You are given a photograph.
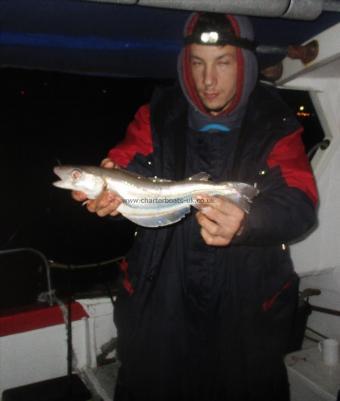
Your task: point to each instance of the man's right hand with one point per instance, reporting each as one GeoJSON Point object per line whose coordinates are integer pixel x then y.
{"type": "Point", "coordinates": [106, 203]}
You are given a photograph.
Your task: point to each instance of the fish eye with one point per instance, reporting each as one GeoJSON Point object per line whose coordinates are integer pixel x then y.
{"type": "Point", "coordinates": [75, 174]}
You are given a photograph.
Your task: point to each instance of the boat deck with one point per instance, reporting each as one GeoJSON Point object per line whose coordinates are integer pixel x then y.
{"type": "Point", "coordinates": [101, 381]}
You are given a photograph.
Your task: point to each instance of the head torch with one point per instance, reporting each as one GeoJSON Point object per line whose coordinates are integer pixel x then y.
{"type": "Point", "coordinates": [215, 38]}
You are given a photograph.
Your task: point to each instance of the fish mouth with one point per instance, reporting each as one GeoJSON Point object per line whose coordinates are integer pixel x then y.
{"type": "Point", "coordinates": [60, 184]}
{"type": "Point", "coordinates": [58, 171]}
{"type": "Point", "coordinates": [63, 175]}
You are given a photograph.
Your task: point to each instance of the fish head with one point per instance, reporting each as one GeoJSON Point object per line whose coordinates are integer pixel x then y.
{"type": "Point", "coordinates": [78, 179]}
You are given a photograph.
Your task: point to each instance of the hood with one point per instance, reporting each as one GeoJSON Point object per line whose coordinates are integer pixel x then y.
{"type": "Point", "coordinates": [247, 74]}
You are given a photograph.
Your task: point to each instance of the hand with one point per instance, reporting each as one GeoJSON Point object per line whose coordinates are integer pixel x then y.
{"type": "Point", "coordinates": [108, 163]}
{"type": "Point", "coordinates": [220, 220]}
{"type": "Point", "coordinates": [106, 203]}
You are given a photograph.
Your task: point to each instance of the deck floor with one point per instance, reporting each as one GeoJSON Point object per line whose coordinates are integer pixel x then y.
{"type": "Point", "coordinates": [101, 381]}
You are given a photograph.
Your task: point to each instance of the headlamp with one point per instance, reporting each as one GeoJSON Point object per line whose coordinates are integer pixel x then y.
{"type": "Point", "coordinates": [209, 37]}
{"type": "Point", "coordinates": [215, 38]}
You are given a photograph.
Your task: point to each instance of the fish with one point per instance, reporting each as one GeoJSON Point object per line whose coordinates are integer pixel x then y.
{"type": "Point", "coordinates": [151, 201]}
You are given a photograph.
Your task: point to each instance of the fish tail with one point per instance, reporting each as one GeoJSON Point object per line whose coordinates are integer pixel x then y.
{"type": "Point", "coordinates": [246, 190]}
{"type": "Point", "coordinates": [244, 194]}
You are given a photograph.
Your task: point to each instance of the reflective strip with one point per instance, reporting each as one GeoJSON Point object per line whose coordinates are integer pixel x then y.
{"type": "Point", "coordinates": [269, 303]}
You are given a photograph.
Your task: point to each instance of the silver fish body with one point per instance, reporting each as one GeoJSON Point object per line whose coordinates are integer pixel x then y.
{"type": "Point", "coordinates": [151, 202]}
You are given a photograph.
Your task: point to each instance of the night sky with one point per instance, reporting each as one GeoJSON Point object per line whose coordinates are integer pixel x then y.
{"type": "Point", "coordinates": [49, 118]}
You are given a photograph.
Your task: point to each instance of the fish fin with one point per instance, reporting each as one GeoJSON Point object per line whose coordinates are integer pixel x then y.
{"type": "Point", "coordinates": [243, 195]}
{"type": "Point", "coordinates": [160, 220]}
{"type": "Point", "coordinates": [246, 190]}
{"type": "Point", "coordinates": [202, 176]}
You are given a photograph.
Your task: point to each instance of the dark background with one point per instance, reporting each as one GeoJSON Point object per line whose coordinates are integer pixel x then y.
{"type": "Point", "coordinates": [49, 118]}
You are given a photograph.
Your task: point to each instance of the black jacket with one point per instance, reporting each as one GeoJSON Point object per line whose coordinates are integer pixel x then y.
{"type": "Point", "coordinates": [208, 323]}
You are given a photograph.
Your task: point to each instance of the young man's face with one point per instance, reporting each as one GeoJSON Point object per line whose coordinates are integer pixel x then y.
{"type": "Point", "coordinates": [214, 71]}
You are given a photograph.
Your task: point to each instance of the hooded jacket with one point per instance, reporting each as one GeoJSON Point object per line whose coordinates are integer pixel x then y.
{"type": "Point", "coordinates": [247, 71]}
{"type": "Point", "coordinates": [212, 323]}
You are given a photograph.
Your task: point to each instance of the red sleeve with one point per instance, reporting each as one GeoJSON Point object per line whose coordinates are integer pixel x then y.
{"type": "Point", "coordinates": [138, 139]}
{"type": "Point", "coordinates": [289, 154]}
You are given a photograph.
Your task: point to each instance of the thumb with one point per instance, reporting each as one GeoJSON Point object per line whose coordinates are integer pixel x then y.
{"type": "Point", "coordinates": [107, 163]}
{"type": "Point", "coordinates": [79, 196]}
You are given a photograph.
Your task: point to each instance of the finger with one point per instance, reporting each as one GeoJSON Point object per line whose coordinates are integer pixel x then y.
{"type": "Point", "coordinates": [106, 198]}
{"type": "Point", "coordinates": [90, 205]}
{"type": "Point", "coordinates": [79, 196]}
{"type": "Point", "coordinates": [114, 213]}
{"type": "Point", "coordinates": [225, 205]}
{"type": "Point", "coordinates": [110, 209]}
{"type": "Point", "coordinates": [221, 224]}
{"type": "Point", "coordinates": [224, 212]}
{"type": "Point", "coordinates": [108, 163]}
{"type": "Point", "coordinates": [214, 240]}
{"type": "Point", "coordinates": [202, 200]}
{"type": "Point", "coordinates": [209, 225]}
{"type": "Point", "coordinates": [234, 214]}
{"type": "Point", "coordinates": [215, 215]}
{"type": "Point", "coordinates": [101, 201]}
{"type": "Point", "coordinates": [228, 224]}
{"type": "Point", "coordinates": [221, 203]}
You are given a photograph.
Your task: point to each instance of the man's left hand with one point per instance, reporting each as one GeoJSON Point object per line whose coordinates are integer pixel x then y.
{"type": "Point", "coordinates": [220, 220]}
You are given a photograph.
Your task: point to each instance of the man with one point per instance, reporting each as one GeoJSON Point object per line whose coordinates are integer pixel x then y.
{"type": "Point", "coordinates": [209, 301]}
